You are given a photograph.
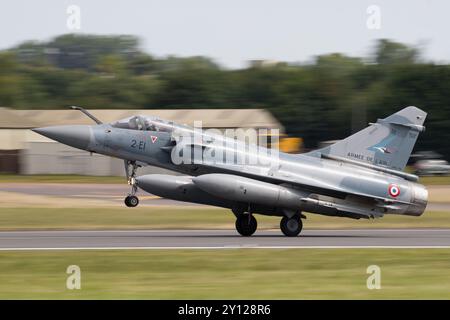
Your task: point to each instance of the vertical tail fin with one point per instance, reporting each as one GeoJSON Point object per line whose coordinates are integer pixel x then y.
{"type": "Point", "coordinates": [387, 143]}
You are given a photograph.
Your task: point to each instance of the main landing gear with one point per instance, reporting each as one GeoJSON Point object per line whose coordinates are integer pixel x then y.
{"type": "Point", "coordinates": [246, 224]}
{"type": "Point", "coordinates": [291, 227]}
{"type": "Point", "coordinates": [130, 169]}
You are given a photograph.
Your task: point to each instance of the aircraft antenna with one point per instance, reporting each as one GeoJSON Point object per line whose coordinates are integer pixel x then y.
{"type": "Point", "coordinates": [86, 113]}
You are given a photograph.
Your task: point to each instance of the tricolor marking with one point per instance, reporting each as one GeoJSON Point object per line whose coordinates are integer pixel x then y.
{"type": "Point", "coordinates": [394, 190]}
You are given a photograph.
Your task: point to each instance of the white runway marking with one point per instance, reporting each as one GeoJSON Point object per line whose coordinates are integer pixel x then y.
{"type": "Point", "coordinates": [221, 230]}
{"type": "Point", "coordinates": [223, 239]}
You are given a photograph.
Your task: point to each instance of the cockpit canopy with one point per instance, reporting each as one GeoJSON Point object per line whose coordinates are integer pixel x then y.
{"type": "Point", "coordinates": [144, 123]}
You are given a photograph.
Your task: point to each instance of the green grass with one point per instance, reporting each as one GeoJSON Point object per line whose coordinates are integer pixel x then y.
{"type": "Point", "coordinates": [435, 180]}
{"type": "Point", "coordinates": [113, 218]}
{"type": "Point", "coordinates": [186, 218]}
{"type": "Point", "coordinates": [227, 274]}
{"type": "Point", "coordinates": [60, 178]}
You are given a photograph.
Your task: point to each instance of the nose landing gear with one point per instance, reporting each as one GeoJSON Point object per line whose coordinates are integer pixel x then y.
{"type": "Point", "coordinates": [131, 200]}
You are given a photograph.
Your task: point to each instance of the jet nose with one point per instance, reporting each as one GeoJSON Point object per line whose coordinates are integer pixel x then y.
{"type": "Point", "coordinates": [77, 136]}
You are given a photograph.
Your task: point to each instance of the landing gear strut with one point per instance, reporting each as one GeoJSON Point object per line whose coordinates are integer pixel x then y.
{"type": "Point", "coordinates": [131, 200]}
{"type": "Point", "coordinates": [291, 227]}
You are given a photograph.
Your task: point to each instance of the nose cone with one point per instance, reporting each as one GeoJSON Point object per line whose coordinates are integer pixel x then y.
{"type": "Point", "coordinates": [76, 136]}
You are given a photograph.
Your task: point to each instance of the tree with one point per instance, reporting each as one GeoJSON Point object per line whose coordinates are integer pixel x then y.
{"type": "Point", "coordinates": [389, 52]}
{"type": "Point", "coordinates": [321, 100]}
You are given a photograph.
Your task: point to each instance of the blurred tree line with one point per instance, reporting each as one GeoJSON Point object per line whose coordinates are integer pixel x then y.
{"type": "Point", "coordinates": [324, 99]}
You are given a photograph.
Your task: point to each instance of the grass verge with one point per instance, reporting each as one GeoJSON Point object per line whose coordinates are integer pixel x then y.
{"type": "Point", "coordinates": [187, 218]}
{"type": "Point", "coordinates": [60, 178]}
{"type": "Point", "coordinates": [227, 274]}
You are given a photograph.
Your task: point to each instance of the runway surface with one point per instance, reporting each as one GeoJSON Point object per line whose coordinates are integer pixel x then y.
{"type": "Point", "coordinates": [113, 194]}
{"type": "Point", "coordinates": [222, 239]}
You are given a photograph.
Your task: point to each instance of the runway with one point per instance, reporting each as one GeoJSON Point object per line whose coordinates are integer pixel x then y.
{"type": "Point", "coordinates": [222, 239]}
{"type": "Point", "coordinates": [109, 194]}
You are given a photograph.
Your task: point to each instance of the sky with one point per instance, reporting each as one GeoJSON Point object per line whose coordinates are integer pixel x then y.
{"type": "Point", "coordinates": [232, 32]}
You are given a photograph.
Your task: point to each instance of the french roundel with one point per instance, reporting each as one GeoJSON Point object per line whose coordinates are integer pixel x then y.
{"type": "Point", "coordinates": [394, 190]}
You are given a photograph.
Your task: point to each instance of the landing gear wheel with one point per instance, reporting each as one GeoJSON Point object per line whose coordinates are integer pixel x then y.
{"type": "Point", "coordinates": [131, 201]}
{"type": "Point", "coordinates": [291, 227]}
{"type": "Point", "coordinates": [246, 225]}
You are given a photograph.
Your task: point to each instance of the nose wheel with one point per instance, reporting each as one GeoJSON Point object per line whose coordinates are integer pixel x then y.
{"type": "Point", "coordinates": [130, 169]}
{"type": "Point", "coordinates": [131, 201]}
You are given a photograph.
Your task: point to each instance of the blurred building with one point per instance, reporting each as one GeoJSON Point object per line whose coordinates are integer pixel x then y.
{"type": "Point", "coordinates": [14, 134]}
{"type": "Point", "coordinates": [263, 63]}
{"type": "Point", "coordinates": [23, 151]}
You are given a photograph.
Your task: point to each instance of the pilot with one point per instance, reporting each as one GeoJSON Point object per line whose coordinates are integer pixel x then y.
{"type": "Point", "coordinates": [137, 123]}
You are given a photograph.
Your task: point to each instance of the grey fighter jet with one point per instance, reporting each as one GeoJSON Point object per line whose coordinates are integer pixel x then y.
{"type": "Point", "coordinates": [358, 177]}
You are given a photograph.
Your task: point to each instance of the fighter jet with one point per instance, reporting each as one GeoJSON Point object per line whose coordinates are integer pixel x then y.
{"type": "Point", "coordinates": [358, 177]}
